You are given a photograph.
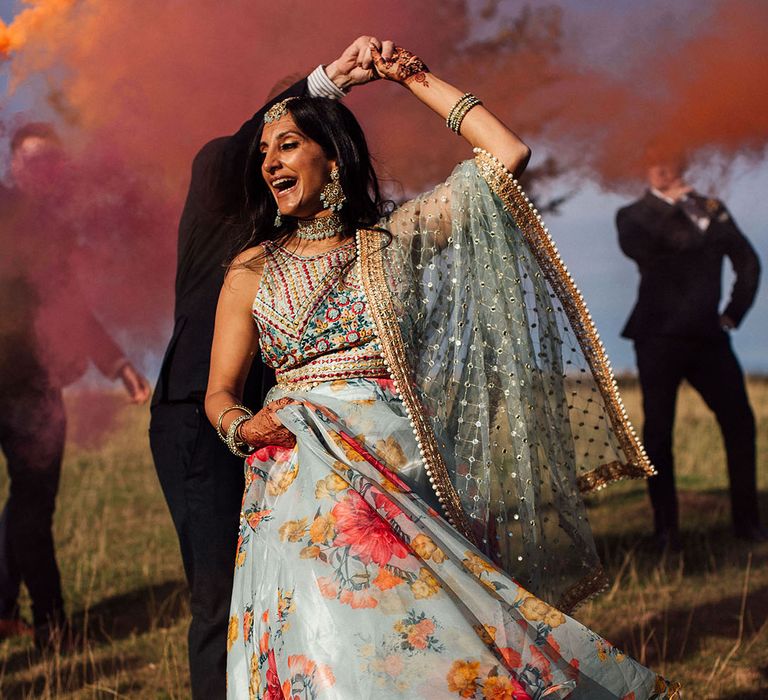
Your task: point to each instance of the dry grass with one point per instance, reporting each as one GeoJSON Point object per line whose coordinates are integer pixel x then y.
{"type": "Point", "coordinates": [700, 617]}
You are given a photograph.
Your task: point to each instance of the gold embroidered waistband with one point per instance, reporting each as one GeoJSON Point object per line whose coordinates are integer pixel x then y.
{"type": "Point", "coordinates": [329, 368]}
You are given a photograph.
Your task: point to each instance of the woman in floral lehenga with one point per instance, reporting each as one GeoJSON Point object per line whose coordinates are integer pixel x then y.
{"type": "Point", "coordinates": [412, 524]}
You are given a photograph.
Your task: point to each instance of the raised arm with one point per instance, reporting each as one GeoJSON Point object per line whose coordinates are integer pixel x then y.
{"type": "Point", "coordinates": [479, 126]}
{"type": "Point", "coordinates": [432, 215]}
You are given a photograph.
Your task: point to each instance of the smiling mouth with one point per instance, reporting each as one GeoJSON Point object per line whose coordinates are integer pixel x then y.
{"type": "Point", "coordinates": [284, 185]}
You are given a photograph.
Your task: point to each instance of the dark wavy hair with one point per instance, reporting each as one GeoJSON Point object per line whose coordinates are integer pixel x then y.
{"type": "Point", "coordinates": [337, 131]}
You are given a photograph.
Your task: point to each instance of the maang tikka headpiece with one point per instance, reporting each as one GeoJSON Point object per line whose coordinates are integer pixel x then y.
{"type": "Point", "coordinates": [277, 110]}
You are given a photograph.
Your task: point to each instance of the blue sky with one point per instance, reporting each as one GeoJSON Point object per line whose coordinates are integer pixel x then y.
{"type": "Point", "coordinates": [586, 236]}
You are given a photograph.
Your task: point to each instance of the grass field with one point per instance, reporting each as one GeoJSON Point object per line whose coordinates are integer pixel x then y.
{"type": "Point", "coordinates": [700, 617]}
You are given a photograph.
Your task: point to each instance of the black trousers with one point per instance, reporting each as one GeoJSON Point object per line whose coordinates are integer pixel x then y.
{"type": "Point", "coordinates": [711, 367]}
{"type": "Point", "coordinates": [203, 484]}
{"type": "Point", "coordinates": [32, 433]}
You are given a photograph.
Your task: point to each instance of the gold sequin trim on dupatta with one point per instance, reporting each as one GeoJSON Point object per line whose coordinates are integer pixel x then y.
{"type": "Point", "coordinates": [503, 184]}
{"type": "Point", "coordinates": [605, 474]}
{"type": "Point", "coordinates": [381, 309]}
{"type": "Point", "coordinates": [587, 588]}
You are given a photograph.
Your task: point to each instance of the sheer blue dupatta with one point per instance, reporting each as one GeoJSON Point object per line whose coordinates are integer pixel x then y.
{"type": "Point", "coordinates": [507, 385]}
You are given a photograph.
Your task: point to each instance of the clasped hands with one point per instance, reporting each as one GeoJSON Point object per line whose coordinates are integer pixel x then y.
{"type": "Point", "coordinates": [368, 58]}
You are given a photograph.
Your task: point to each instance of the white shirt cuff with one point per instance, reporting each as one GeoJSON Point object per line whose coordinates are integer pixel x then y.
{"type": "Point", "coordinates": [320, 85]}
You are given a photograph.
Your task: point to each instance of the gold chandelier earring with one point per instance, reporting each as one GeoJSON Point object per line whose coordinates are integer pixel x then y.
{"type": "Point", "coordinates": [332, 196]}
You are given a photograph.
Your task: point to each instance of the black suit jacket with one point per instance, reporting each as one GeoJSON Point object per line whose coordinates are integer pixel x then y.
{"type": "Point", "coordinates": [681, 268]}
{"type": "Point", "coordinates": [209, 231]}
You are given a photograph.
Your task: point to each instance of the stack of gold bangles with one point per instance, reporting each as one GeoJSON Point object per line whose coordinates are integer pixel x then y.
{"type": "Point", "coordinates": [231, 438]}
{"type": "Point", "coordinates": [466, 102]}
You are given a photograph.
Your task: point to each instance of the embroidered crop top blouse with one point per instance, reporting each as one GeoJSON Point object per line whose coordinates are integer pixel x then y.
{"type": "Point", "coordinates": [311, 315]}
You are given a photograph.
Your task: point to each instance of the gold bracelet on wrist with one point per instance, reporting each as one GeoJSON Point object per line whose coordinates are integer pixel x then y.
{"type": "Point", "coordinates": [465, 103]}
{"type": "Point", "coordinates": [460, 110]}
{"type": "Point", "coordinates": [235, 407]}
{"type": "Point", "coordinates": [450, 118]}
{"type": "Point", "coordinates": [235, 445]}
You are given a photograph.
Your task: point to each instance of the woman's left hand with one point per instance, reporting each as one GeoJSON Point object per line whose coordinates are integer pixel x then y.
{"type": "Point", "coordinates": [403, 67]}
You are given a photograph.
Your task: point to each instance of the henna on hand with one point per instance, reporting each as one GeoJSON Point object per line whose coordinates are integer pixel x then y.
{"type": "Point", "coordinates": [266, 429]}
{"type": "Point", "coordinates": [403, 67]}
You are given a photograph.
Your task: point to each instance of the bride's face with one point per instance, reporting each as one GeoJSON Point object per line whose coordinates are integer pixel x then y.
{"type": "Point", "coordinates": [295, 168]}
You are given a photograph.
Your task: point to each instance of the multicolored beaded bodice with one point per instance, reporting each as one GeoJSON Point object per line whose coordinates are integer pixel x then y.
{"type": "Point", "coordinates": [311, 314]}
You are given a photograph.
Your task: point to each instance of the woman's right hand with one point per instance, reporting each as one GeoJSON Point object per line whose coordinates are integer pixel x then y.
{"type": "Point", "coordinates": [265, 428]}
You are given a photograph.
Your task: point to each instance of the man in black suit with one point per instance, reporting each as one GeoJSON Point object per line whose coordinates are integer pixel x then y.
{"type": "Point", "coordinates": [48, 336]}
{"type": "Point", "coordinates": [202, 481]}
{"type": "Point", "coordinates": [678, 240]}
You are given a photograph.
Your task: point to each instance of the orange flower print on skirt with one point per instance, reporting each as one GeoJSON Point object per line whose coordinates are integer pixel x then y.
{"type": "Point", "coordinates": [365, 591]}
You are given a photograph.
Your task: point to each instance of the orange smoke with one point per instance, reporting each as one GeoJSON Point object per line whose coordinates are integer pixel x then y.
{"type": "Point", "coordinates": [143, 85]}
{"type": "Point", "coordinates": [138, 88]}
{"type": "Point", "coordinates": [41, 15]}
{"type": "Point", "coordinates": [158, 79]}
{"type": "Point", "coordinates": [695, 97]}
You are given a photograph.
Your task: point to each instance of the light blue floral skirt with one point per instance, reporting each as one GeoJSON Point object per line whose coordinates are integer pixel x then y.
{"type": "Point", "coordinates": [349, 584]}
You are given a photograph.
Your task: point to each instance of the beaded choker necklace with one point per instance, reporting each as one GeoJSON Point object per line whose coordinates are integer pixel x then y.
{"type": "Point", "coordinates": [319, 229]}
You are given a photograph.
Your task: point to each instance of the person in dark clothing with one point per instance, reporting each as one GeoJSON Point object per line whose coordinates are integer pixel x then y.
{"type": "Point", "coordinates": [202, 481]}
{"type": "Point", "coordinates": [48, 335]}
{"type": "Point", "coordinates": [678, 239]}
